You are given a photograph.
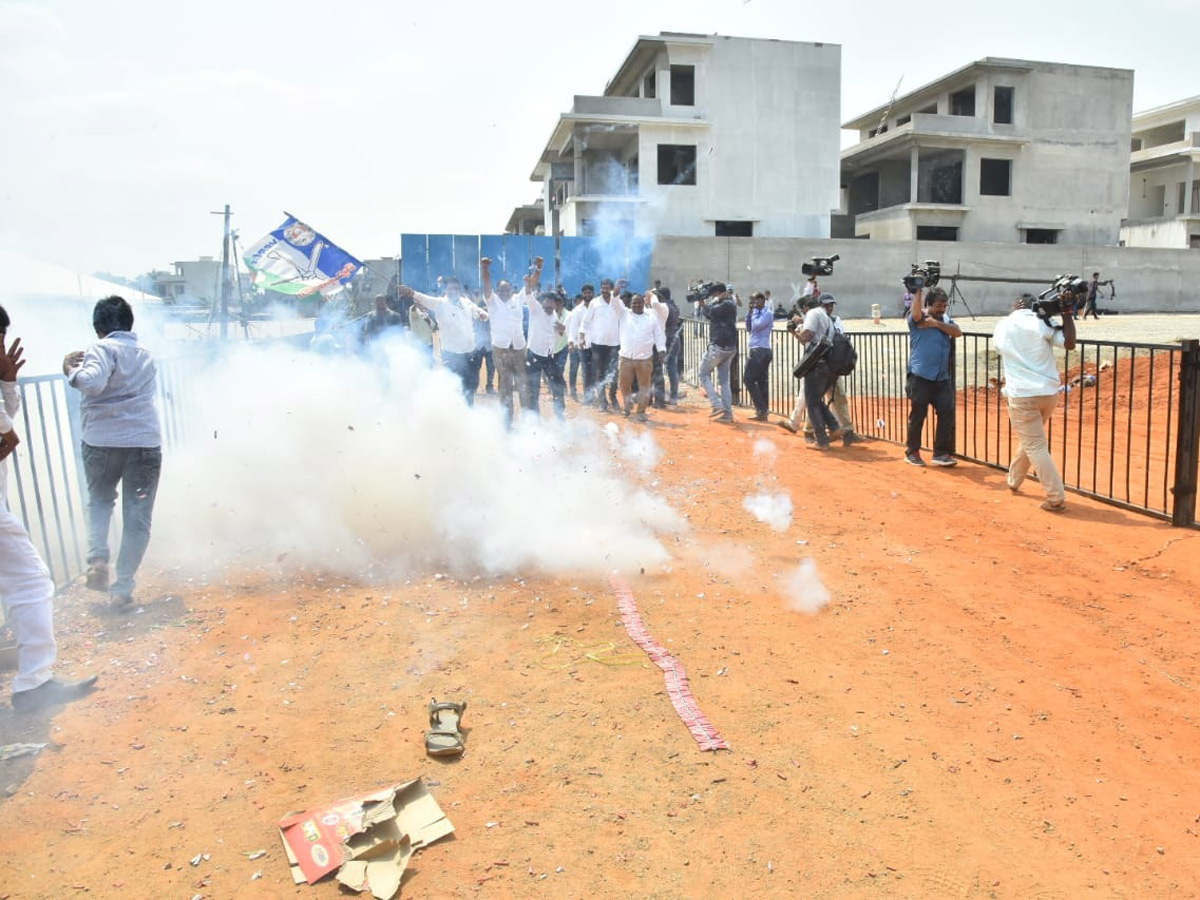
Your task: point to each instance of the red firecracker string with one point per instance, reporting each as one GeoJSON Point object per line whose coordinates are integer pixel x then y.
{"type": "Point", "coordinates": [678, 689]}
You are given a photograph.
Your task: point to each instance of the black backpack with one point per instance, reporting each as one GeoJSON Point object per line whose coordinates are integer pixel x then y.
{"type": "Point", "coordinates": [842, 357]}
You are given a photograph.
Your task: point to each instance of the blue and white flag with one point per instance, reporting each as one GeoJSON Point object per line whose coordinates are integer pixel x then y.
{"type": "Point", "coordinates": [294, 259]}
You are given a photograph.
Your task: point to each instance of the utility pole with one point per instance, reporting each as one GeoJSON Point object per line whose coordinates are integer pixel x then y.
{"type": "Point", "coordinates": [225, 275]}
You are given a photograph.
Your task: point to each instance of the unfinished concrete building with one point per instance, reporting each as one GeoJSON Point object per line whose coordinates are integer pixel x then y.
{"type": "Point", "coordinates": [1164, 196]}
{"type": "Point", "coordinates": [1000, 150]}
{"type": "Point", "coordinates": [700, 135]}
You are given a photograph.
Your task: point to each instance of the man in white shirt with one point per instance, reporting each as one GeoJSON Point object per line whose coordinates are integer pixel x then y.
{"type": "Point", "coordinates": [577, 350]}
{"type": "Point", "coordinates": [641, 338]}
{"type": "Point", "coordinates": [1026, 342]}
{"type": "Point", "coordinates": [507, 318]}
{"type": "Point", "coordinates": [455, 314]}
{"type": "Point", "coordinates": [26, 590]}
{"type": "Point", "coordinates": [601, 328]}
{"type": "Point", "coordinates": [122, 443]}
{"type": "Point", "coordinates": [547, 347]}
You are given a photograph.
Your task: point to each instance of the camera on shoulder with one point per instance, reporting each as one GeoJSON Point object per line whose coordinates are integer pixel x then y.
{"type": "Point", "coordinates": [820, 265]}
{"type": "Point", "coordinates": [1067, 292]}
{"type": "Point", "coordinates": [707, 289]}
{"type": "Point", "coordinates": [922, 277]}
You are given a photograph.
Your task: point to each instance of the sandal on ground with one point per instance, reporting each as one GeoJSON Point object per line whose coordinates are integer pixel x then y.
{"type": "Point", "coordinates": [444, 737]}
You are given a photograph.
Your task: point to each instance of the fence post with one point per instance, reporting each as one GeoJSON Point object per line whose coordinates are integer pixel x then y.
{"type": "Point", "coordinates": [1187, 442]}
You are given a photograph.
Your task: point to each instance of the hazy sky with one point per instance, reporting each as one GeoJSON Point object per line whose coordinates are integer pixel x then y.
{"type": "Point", "coordinates": [125, 122]}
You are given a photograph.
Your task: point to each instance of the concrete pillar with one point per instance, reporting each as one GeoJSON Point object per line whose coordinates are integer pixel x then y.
{"type": "Point", "coordinates": [913, 174]}
{"type": "Point", "coordinates": [1187, 191]}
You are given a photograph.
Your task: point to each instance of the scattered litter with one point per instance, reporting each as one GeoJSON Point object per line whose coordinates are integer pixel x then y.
{"type": "Point", "coordinates": [368, 839]}
{"type": "Point", "coordinates": [257, 854]}
{"type": "Point", "coordinates": [257, 875]}
{"type": "Point", "coordinates": [12, 751]}
{"type": "Point", "coordinates": [723, 670]}
{"type": "Point", "coordinates": [564, 652]}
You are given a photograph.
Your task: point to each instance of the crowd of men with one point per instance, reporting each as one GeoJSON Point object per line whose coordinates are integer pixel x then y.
{"type": "Point", "coordinates": [627, 347]}
{"type": "Point", "coordinates": [621, 346]}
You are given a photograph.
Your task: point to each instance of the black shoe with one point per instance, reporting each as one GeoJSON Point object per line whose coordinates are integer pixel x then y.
{"type": "Point", "coordinates": [849, 438]}
{"type": "Point", "coordinates": [944, 459]}
{"type": "Point", "coordinates": [914, 459]}
{"type": "Point", "coordinates": [52, 693]}
{"type": "Point", "coordinates": [97, 575]}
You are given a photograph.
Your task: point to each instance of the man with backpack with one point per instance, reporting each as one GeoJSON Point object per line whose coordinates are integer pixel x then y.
{"type": "Point", "coordinates": [842, 359]}
{"type": "Point", "coordinates": [816, 334]}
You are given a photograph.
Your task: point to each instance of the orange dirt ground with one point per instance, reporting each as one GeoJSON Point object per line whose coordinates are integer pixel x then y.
{"type": "Point", "coordinates": [997, 702]}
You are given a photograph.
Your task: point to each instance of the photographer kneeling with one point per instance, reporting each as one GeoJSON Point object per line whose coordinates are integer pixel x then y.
{"type": "Point", "coordinates": [1025, 340]}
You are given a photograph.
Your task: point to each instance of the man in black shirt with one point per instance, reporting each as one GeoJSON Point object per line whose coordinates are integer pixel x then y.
{"type": "Point", "coordinates": [721, 311]}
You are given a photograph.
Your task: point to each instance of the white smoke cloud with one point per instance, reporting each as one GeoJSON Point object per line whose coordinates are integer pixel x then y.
{"type": "Point", "coordinates": [774, 510]}
{"type": "Point", "coordinates": [803, 590]}
{"type": "Point", "coordinates": [378, 468]}
{"type": "Point", "coordinates": [766, 449]}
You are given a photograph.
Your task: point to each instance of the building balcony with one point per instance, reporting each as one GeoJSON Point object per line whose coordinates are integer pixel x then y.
{"type": "Point", "coordinates": [620, 107]}
{"type": "Point", "coordinates": [947, 130]}
{"type": "Point", "coordinates": [900, 222]}
{"type": "Point", "coordinates": [1167, 154]}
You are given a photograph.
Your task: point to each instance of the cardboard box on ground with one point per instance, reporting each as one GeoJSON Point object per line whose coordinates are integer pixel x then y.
{"type": "Point", "coordinates": [367, 839]}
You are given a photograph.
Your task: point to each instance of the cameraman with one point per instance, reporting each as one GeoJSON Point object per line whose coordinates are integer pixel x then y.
{"type": "Point", "coordinates": [719, 307]}
{"type": "Point", "coordinates": [1026, 342]}
{"type": "Point", "coordinates": [931, 334]}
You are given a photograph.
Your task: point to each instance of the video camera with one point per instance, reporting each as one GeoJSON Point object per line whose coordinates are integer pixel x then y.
{"type": "Point", "coordinates": [923, 277]}
{"type": "Point", "coordinates": [820, 265]}
{"type": "Point", "coordinates": [707, 289]}
{"type": "Point", "coordinates": [1067, 292]}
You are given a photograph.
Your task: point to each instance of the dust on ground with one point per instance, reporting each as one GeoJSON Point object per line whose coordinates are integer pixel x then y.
{"type": "Point", "coordinates": [996, 702]}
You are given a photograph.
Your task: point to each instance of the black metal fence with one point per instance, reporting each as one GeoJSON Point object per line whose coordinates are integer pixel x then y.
{"type": "Point", "coordinates": [1126, 430]}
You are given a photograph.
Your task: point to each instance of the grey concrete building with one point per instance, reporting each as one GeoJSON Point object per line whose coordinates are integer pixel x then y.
{"type": "Point", "coordinates": [1000, 150]}
{"type": "Point", "coordinates": [1164, 196]}
{"type": "Point", "coordinates": [700, 135]}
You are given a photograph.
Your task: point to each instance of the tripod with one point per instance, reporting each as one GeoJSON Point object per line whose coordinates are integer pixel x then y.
{"type": "Point", "coordinates": [954, 290]}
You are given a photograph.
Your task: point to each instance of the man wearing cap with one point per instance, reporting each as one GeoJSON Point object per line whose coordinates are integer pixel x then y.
{"type": "Point", "coordinates": [720, 308]}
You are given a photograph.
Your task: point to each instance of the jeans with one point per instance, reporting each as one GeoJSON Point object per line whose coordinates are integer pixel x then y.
{"type": "Point", "coordinates": [1029, 417]}
{"type": "Point", "coordinates": [719, 358]}
{"type": "Point", "coordinates": [939, 394]}
{"type": "Point", "coordinates": [816, 384]}
{"type": "Point", "coordinates": [550, 367]}
{"type": "Point", "coordinates": [460, 365]}
{"type": "Point", "coordinates": [604, 375]}
{"type": "Point", "coordinates": [575, 356]}
{"type": "Point", "coordinates": [136, 469]}
{"type": "Point", "coordinates": [755, 378]}
{"type": "Point", "coordinates": [489, 372]}
{"type": "Point", "coordinates": [674, 355]}
{"type": "Point", "coordinates": [589, 374]}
